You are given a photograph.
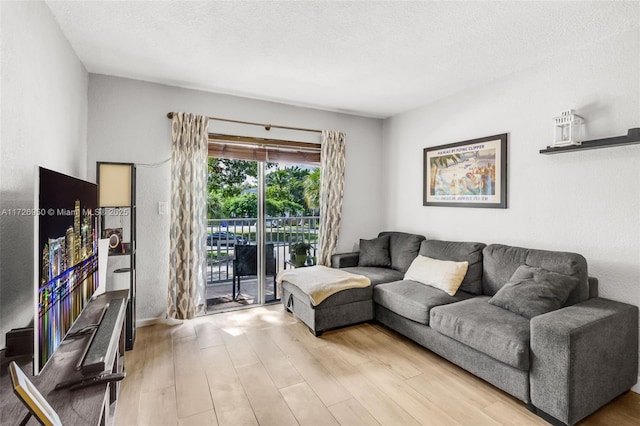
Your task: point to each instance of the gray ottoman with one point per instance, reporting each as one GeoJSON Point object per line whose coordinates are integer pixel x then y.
{"type": "Point", "coordinates": [345, 307]}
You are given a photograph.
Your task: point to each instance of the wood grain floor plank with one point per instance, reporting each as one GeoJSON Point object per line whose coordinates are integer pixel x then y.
{"type": "Point", "coordinates": [305, 337]}
{"type": "Point", "coordinates": [273, 316]}
{"type": "Point", "coordinates": [158, 362]}
{"type": "Point", "coordinates": [439, 393]}
{"type": "Point", "coordinates": [257, 317]}
{"type": "Point", "coordinates": [158, 408]}
{"type": "Point", "coordinates": [328, 389]}
{"type": "Point", "coordinates": [192, 388]}
{"type": "Point", "coordinates": [507, 414]}
{"type": "Point", "coordinates": [424, 411]}
{"type": "Point", "coordinates": [306, 406]}
{"type": "Point", "coordinates": [186, 329]}
{"type": "Point", "coordinates": [208, 335]}
{"type": "Point", "coordinates": [384, 353]}
{"type": "Point", "coordinates": [479, 394]}
{"type": "Point", "coordinates": [206, 418]}
{"type": "Point", "coordinates": [624, 410]}
{"type": "Point", "coordinates": [134, 368]}
{"type": "Point", "coordinates": [282, 372]}
{"type": "Point", "coordinates": [433, 366]}
{"type": "Point", "coordinates": [239, 348]}
{"type": "Point", "coordinates": [367, 328]}
{"type": "Point", "coordinates": [350, 350]}
{"type": "Point", "coordinates": [376, 402]}
{"type": "Point", "coordinates": [232, 405]}
{"type": "Point", "coordinates": [230, 402]}
{"type": "Point", "coordinates": [267, 403]}
{"type": "Point", "coordinates": [287, 341]}
{"type": "Point", "coordinates": [352, 413]}
{"type": "Point", "coordinates": [132, 391]}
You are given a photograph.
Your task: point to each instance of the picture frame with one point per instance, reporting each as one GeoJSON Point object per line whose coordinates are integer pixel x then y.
{"type": "Point", "coordinates": [470, 173]}
{"type": "Point", "coordinates": [32, 398]}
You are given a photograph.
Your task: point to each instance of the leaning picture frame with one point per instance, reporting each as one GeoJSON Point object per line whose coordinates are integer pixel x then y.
{"type": "Point", "coordinates": [32, 398]}
{"type": "Point", "coordinates": [470, 173]}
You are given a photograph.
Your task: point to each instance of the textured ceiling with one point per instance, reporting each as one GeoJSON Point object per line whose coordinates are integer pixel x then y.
{"type": "Point", "coordinates": [368, 58]}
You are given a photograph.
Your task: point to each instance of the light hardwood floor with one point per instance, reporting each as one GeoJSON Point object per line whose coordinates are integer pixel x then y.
{"type": "Point", "coordinates": [262, 366]}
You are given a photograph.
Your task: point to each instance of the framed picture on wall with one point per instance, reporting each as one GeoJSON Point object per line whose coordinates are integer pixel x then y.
{"type": "Point", "coordinates": [471, 173]}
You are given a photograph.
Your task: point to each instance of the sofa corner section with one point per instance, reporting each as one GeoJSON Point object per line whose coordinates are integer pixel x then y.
{"type": "Point", "coordinates": [582, 357]}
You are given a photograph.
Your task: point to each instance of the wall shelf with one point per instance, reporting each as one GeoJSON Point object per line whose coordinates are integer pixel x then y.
{"type": "Point", "coordinates": [127, 253]}
{"type": "Point", "coordinates": [632, 137]}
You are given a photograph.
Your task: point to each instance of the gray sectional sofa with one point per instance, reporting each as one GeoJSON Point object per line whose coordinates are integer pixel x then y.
{"type": "Point", "coordinates": [564, 364]}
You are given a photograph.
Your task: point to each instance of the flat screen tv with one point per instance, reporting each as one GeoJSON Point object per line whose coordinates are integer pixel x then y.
{"type": "Point", "coordinates": [66, 257]}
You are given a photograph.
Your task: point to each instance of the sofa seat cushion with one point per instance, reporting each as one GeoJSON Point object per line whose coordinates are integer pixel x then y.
{"type": "Point", "coordinates": [413, 300]}
{"type": "Point", "coordinates": [375, 274]}
{"type": "Point", "coordinates": [494, 331]}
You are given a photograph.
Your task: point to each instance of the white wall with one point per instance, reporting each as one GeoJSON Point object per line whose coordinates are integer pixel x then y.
{"type": "Point", "coordinates": [127, 123]}
{"type": "Point", "coordinates": [44, 119]}
{"type": "Point", "coordinates": [586, 202]}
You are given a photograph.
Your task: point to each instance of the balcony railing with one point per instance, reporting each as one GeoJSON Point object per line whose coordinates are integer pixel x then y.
{"type": "Point", "coordinates": [224, 234]}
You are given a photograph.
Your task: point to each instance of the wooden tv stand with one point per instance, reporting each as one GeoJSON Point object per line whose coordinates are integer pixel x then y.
{"type": "Point", "coordinates": [94, 405]}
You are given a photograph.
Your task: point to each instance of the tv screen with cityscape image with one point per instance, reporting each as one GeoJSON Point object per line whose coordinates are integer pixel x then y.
{"type": "Point", "coordinates": [66, 251]}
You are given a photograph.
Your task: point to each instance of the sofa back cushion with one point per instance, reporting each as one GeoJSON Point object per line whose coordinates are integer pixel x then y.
{"type": "Point", "coordinates": [501, 261]}
{"type": "Point", "coordinates": [403, 248]}
{"type": "Point", "coordinates": [534, 291]}
{"type": "Point", "coordinates": [458, 251]}
{"type": "Point", "coordinates": [375, 252]}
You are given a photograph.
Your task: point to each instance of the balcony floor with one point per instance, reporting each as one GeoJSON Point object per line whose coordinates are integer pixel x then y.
{"type": "Point", "coordinates": [219, 294]}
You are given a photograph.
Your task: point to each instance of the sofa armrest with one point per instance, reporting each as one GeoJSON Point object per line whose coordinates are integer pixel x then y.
{"type": "Point", "coordinates": [582, 357]}
{"type": "Point", "coordinates": [345, 260]}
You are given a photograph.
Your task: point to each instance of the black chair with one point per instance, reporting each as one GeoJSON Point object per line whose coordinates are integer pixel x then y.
{"type": "Point", "coordinates": [245, 264]}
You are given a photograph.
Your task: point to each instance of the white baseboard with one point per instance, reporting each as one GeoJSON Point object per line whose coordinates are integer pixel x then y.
{"type": "Point", "coordinates": [636, 388]}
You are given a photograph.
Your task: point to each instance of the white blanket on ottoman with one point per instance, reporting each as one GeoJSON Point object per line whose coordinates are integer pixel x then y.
{"type": "Point", "coordinates": [320, 282]}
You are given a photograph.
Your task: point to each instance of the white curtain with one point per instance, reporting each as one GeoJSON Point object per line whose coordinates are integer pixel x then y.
{"type": "Point", "coordinates": [331, 193]}
{"type": "Point", "coordinates": [187, 256]}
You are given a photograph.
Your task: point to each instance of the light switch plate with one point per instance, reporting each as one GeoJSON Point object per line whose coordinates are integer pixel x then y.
{"type": "Point", "coordinates": [163, 208]}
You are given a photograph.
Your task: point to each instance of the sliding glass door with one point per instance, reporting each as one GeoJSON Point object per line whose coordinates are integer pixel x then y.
{"type": "Point", "coordinates": [291, 216]}
{"type": "Point", "coordinates": [257, 212]}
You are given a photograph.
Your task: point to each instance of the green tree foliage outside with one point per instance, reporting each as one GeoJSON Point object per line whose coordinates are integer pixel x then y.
{"type": "Point", "coordinates": [232, 190]}
{"type": "Point", "coordinates": [227, 177]}
{"type": "Point", "coordinates": [312, 190]}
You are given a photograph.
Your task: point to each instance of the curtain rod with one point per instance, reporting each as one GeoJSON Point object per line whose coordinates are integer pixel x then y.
{"type": "Point", "coordinates": [267, 127]}
{"type": "Point", "coordinates": [263, 141]}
